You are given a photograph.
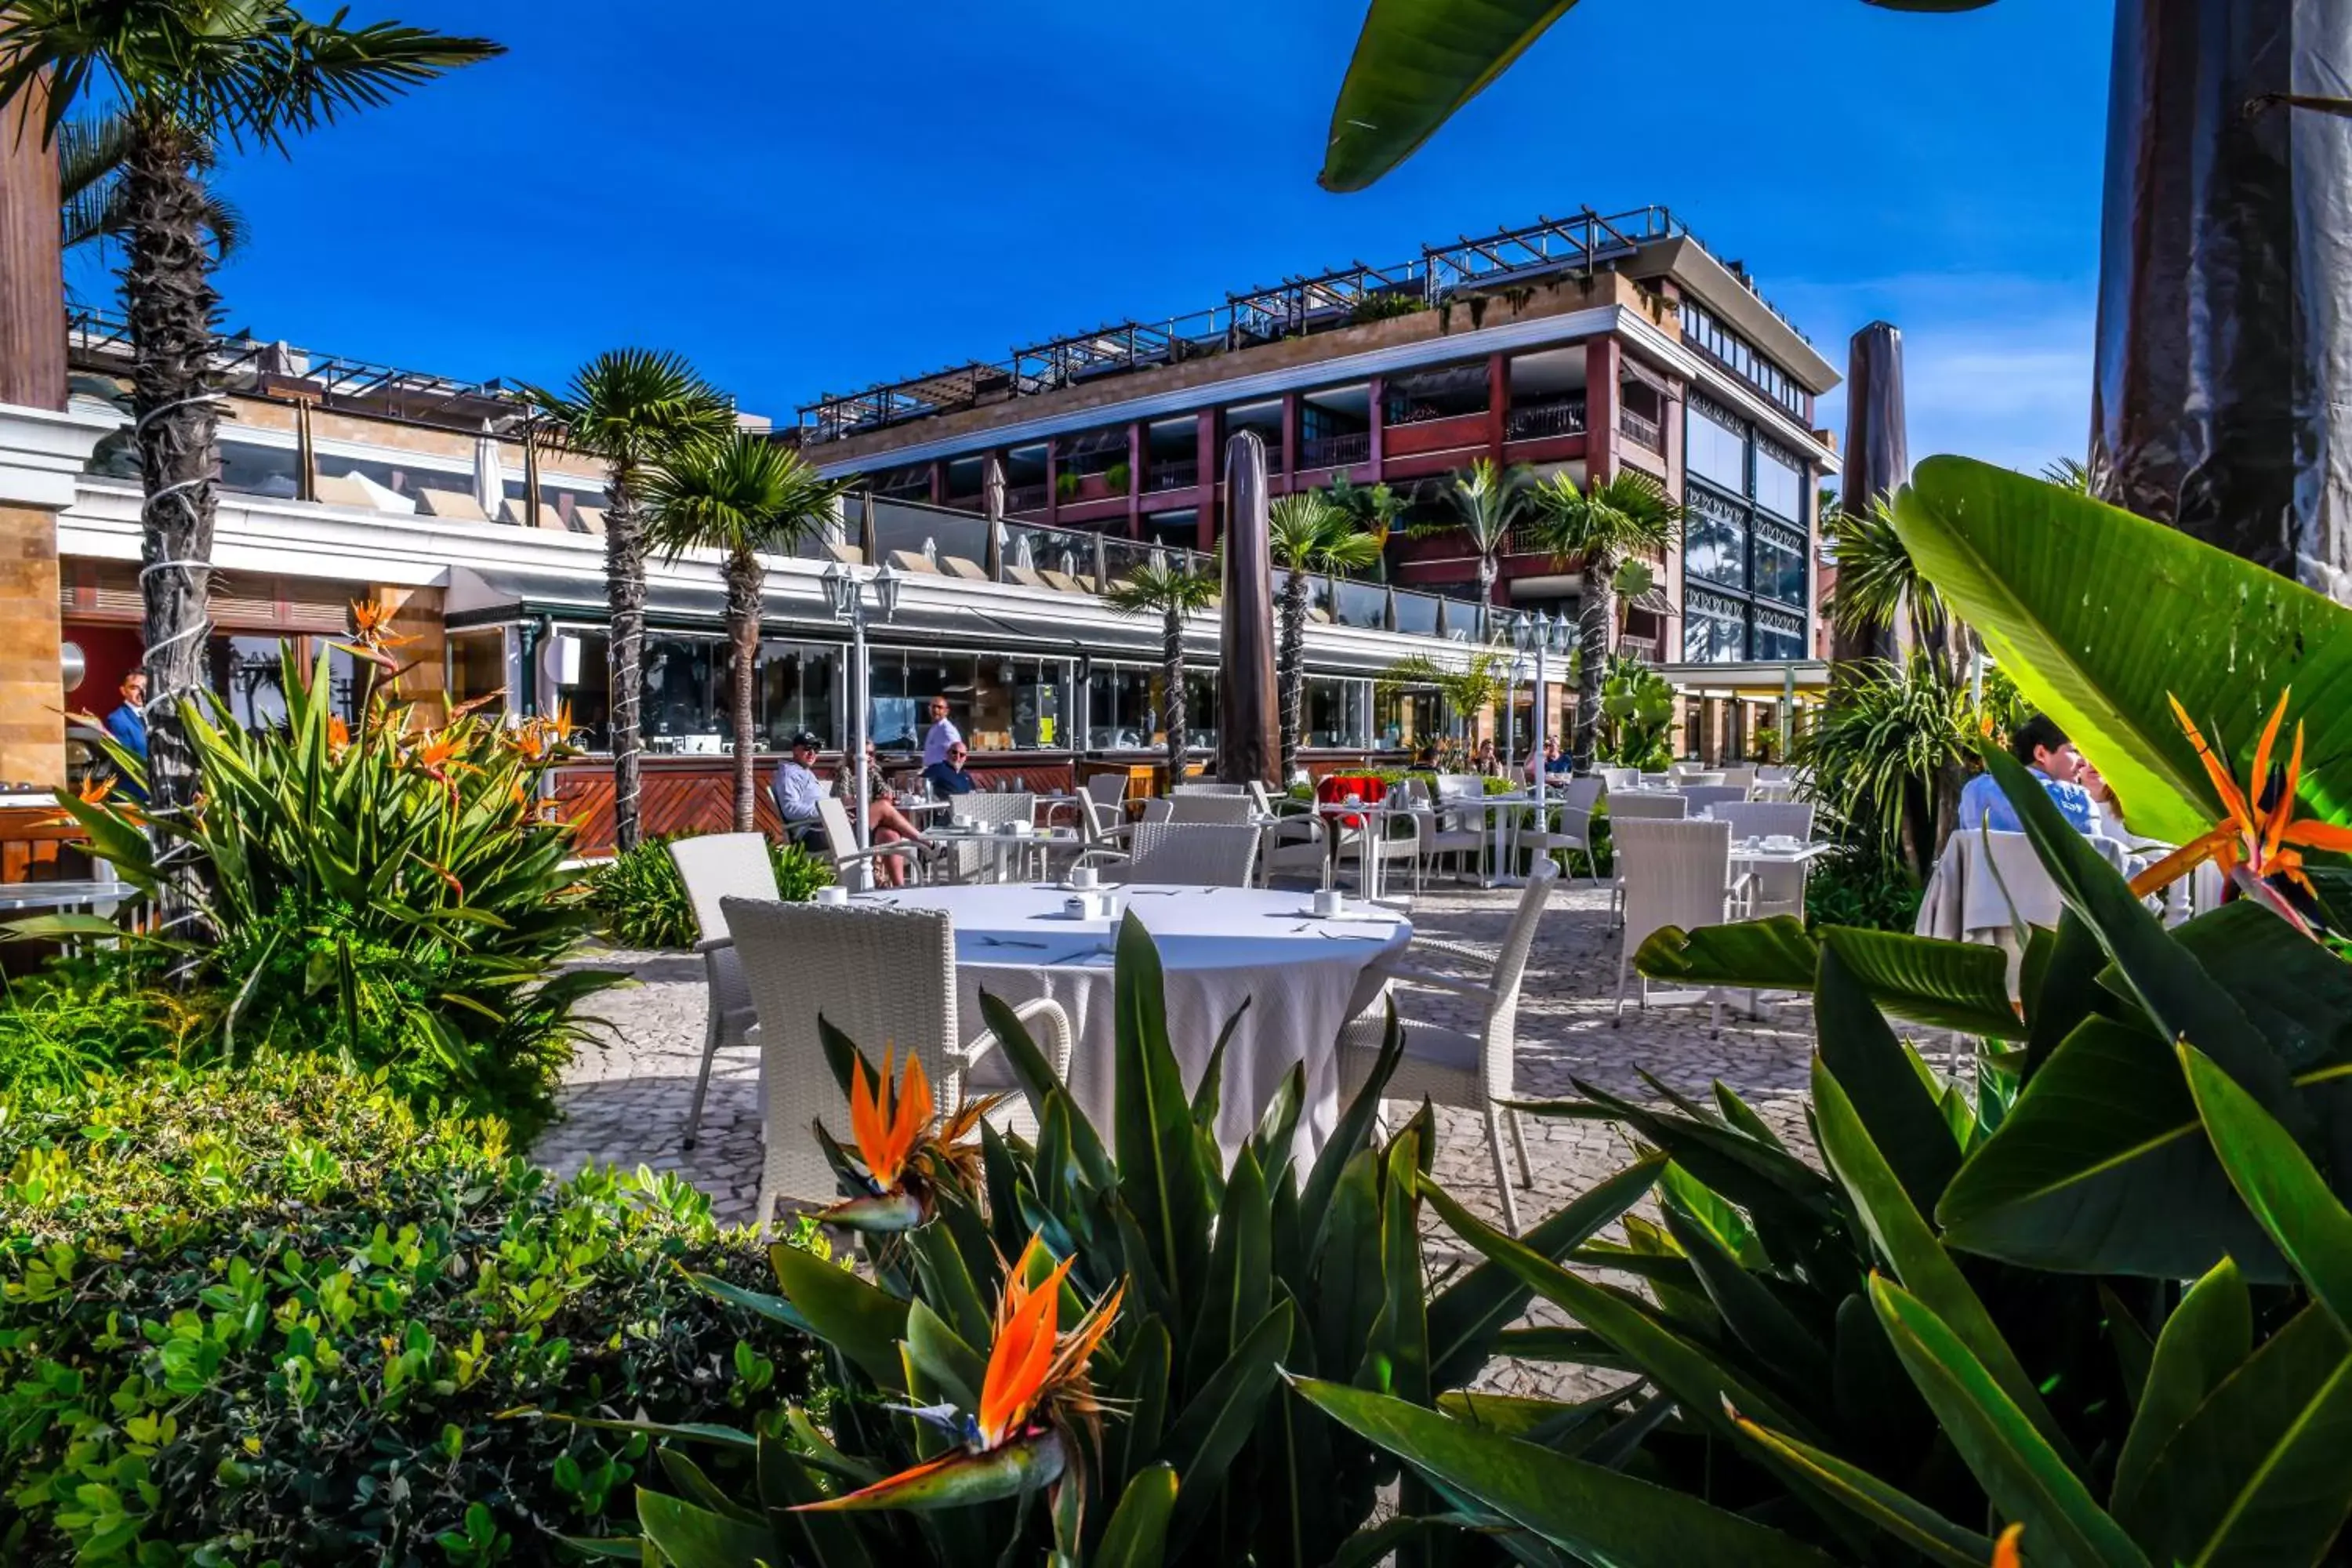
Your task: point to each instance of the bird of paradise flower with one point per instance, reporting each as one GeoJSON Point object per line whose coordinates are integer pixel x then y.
{"type": "Point", "coordinates": [1034, 1400]}
{"type": "Point", "coordinates": [908, 1150]}
{"type": "Point", "coordinates": [2258, 843]}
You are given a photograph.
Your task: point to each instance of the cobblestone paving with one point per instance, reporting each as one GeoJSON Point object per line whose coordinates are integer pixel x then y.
{"type": "Point", "coordinates": [626, 1102]}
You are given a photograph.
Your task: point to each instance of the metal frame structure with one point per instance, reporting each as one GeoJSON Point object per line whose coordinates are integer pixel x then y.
{"type": "Point", "coordinates": [1587, 242]}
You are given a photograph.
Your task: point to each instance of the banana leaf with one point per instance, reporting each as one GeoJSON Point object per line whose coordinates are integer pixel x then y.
{"type": "Point", "coordinates": [1944, 985]}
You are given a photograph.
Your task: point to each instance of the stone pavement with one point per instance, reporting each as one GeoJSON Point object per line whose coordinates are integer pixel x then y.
{"type": "Point", "coordinates": [625, 1103]}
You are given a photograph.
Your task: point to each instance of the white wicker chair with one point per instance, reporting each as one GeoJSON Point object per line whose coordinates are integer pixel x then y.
{"type": "Point", "coordinates": [1638, 808]}
{"type": "Point", "coordinates": [1573, 803]}
{"type": "Point", "coordinates": [1743, 774]}
{"type": "Point", "coordinates": [851, 863]}
{"type": "Point", "coordinates": [1706, 797]}
{"type": "Point", "coordinates": [1403, 828]}
{"type": "Point", "coordinates": [1210, 789]}
{"type": "Point", "coordinates": [1010, 806]}
{"type": "Point", "coordinates": [884, 977]}
{"type": "Point", "coordinates": [1779, 889]}
{"type": "Point", "coordinates": [1293, 842]}
{"type": "Point", "coordinates": [1470, 1069]}
{"type": "Point", "coordinates": [1620, 778]}
{"type": "Point", "coordinates": [714, 866]}
{"type": "Point", "coordinates": [1221, 809]}
{"type": "Point", "coordinates": [1459, 831]}
{"type": "Point", "coordinates": [1676, 874]}
{"type": "Point", "coordinates": [1209, 855]}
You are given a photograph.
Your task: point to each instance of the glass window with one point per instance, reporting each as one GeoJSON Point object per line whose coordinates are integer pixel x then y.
{"type": "Point", "coordinates": [245, 672]}
{"type": "Point", "coordinates": [1716, 446]}
{"type": "Point", "coordinates": [799, 689]}
{"type": "Point", "coordinates": [1714, 540]}
{"type": "Point", "coordinates": [1121, 707]}
{"type": "Point", "coordinates": [900, 686]}
{"type": "Point", "coordinates": [476, 663]}
{"type": "Point", "coordinates": [257, 471]}
{"type": "Point", "coordinates": [1017, 705]}
{"type": "Point", "coordinates": [1780, 483]}
{"type": "Point", "coordinates": [589, 693]}
{"type": "Point", "coordinates": [1338, 713]}
{"type": "Point", "coordinates": [1715, 629]}
{"type": "Point", "coordinates": [1200, 709]}
{"type": "Point", "coordinates": [1407, 716]}
{"type": "Point", "coordinates": [686, 706]}
{"type": "Point", "coordinates": [1778, 636]}
{"type": "Point", "coordinates": [1779, 564]}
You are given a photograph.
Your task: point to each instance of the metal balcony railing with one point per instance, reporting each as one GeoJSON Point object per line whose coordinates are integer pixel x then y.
{"type": "Point", "coordinates": [1336, 451]}
{"type": "Point", "coordinates": [1640, 431]}
{"type": "Point", "coordinates": [1178, 474]}
{"type": "Point", "coordinates": [1553, 416]}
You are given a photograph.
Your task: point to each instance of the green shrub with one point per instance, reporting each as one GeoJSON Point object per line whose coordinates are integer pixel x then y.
{"type": "Point", "coordinates": [1066, 484]}
{"type": "Point", "coordinates": [1116, 478]}
{"type": "Point", "coordinates": [1637, 717]}
{"type": "Point", "coordinates": [78, 1015]}
{"type": "Point", "coordinates": [1857, 886]}
{"type": "Point", "coordinates": [278, 1316]}
{"type": "Point", "coordinates": [641, 899]}
{"type": "Point", "coordinates": [392, 897]}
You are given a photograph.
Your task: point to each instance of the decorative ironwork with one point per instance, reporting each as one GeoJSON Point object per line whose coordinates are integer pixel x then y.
{"type": "Point", "coordinates": [1558, 416]}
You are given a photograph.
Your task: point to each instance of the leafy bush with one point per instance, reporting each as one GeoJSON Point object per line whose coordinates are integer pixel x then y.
{"type": "Point", "coordinates": [1229, 1271]}
{"type": "Point", "coordinates": [640, 899]}
{"type": "Point", "coordinates": [1857, 886]}
{"type": "Point", "coordinates": [2103, 1298]}
{"type": "Point", "coordinates": [78, 1015]}
{"type": "Point", "coordinates": [1116, 478]}
{"type": "Point", "coordinates": [275, 1317]}
{"type": "Point", "coordinates": [392, 896]}
{"type": "Point", "coordinates": [1637, 716]}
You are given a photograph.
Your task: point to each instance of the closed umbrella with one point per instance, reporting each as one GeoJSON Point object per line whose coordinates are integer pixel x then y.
{"type": "Point", "coordinates": [489, 474]}
{"type": "Point", "coordinates": [1249, 747]}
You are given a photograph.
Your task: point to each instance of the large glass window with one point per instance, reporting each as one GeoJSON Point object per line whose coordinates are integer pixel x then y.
{"type": "Point", "coordinates": [1123, 713]}
{"type": "Point", "coordinates": [1715, 629]}
{"type": "Point", "coordinates": [1778, 636]}
{"type": "Point", "coordinates": [1716, 446]}
{"type": "Point", "coordinates": [1408, 715]}
{"type": "Point", "coordinates": [799, 689]}
{"type": "Point", "coordinates": [245, 672]}
{"type": "Point", "coordinates": [900, 685]}
{"type": "Point", "coordinates": [1714, 540]}
{"type": "Point", "coordinates": [1017, 705]}
{"type": "Point", "coordinates": [258, 470]}
{"type": "Point", "coordinates": [1779, 564]}
{"type": "Point", "coordinates": [476, 662]}
{"type": "Point", "coordinates": [1338, 713]}
{"type": "Point", "coordinates": [1780, 483]}
{"type": "Point", "coordinates": [686, 706]}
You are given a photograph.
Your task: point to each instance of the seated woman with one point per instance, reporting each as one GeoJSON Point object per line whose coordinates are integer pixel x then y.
{"type": "Point", "coordinates": [885, 823]}
{"type": "Point", "coordinates": [947, 777]}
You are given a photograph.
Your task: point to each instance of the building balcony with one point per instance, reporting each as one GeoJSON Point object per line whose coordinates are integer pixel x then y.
{"type": "Point", "coordinates": [1643, 648]}
{"type": "Point", "coordinates": [1336, 451]}
{"type": "Point", "coordinates": [1640, 431]}
{"type": "Point", "coordinates": [1552, 417]}
{"type": "Point", "coordinates": [1026, 497]}
{"type": "Point", "coordinates": [1177, 474]}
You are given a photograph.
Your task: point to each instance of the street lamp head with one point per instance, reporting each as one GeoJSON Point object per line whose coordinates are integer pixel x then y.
{"type": "Point", "coordinates": [886, 590]}
{"type": "Point", "coordinates": [842, 589]}
{"type": "Point", "coordinates": [1521, 630]}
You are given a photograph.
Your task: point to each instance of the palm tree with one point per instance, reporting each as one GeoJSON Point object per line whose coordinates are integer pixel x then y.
{"type": "Point", "coordinates": [1878, 584]}
{"type": "Point", "coordinates": [91, 157]}
{"type": "Point", "coordinates": [1171, 592]}
{"type": "Point", "coordinates": [1378, 509]}
{"type": "Point", "coordinates": [743, 496]}
{"type": "Point", "coordinates": [2068, 474]}
{"type": "Point", "coordinates": [632, 409]}
{"type": "Point", "coordinates": [1486, 502]}
{"type": "Point", "coordinates": [1307, 533]}
{"type": "Point", "coordinates": [1466, 692]}
{"type": "Point", "coordinates": [1623, 517]}
{"type": "Point", "coordinates": [188, 76]}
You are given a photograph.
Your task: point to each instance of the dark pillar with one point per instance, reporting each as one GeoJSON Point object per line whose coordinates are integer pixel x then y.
{"type": "Point", "coordinates": [1052, 482]}
{"type": "Point", "coordinates": [1139, 459]}
{"type": "Point", "coordinates": [1878, 454]}
{"type": "Point", "coordinates": [939, 485]}
{"type": "Point", "coordinates": [1249, 739]}
{"type": "Point", "coordinates": [1602, 369]}
{"type": "Point", "coordinates": [2224, 347]}
{"type": "Point", "coordinates": [1498, 403]}
{"type": "Point", "coordinates": [1372, 441]}
{"type": "Point", "coordinates": [1204, 533]}
{"type": "Point", "coordinates": [1290, 441]}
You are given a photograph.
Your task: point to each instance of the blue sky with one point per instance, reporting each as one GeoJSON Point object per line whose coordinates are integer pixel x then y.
{"type": "Point", "coordinates": [807, 198]}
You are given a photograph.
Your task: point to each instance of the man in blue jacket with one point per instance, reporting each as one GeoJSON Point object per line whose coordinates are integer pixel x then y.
{"type": "Point", "coordinates": [128, 723]}
{"type": "Point", "coordinates": [2044, 749]}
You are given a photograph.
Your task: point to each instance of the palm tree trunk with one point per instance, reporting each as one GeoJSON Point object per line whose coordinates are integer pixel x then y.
{"type": "Point", "coordinates": [1294, 669]}
{"type": "Point", "coordinates": [1172, 682]}
{"type": "Point", "coordinates": [167, 290]}
{"type": "Point", "coordinates": [1594, 615]}
{"type": "Point", "coordinates": [744, 577]}
{"type": "Point", "coordinates": [624, 590]}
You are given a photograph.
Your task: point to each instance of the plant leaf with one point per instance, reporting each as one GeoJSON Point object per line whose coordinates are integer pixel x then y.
{"type": "Point", "coordinates": [1138, 1531]}
{"type": "Point", "coordinates": [2278, 1183]}
{"type": "Point", "coordinates": [2208, 1335]}
{"type": "Point", "coordinates": [1890, 1508]}
{"type": "Point", "coordinates": [862, 1323]}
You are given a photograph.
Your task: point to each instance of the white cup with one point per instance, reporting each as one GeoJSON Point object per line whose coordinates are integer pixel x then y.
{"type": "Point", "coordinates": [1329, 902]}
{"type": "Point", "coordinates": [1079, 906]}
{"type": "Point", "coordinates": [1355, 798]}
{"type": "Point", "coordinates": [1780, 841]}
{"type": "Point", "coordinates": [833, 896]}
{"type": "Point", "coordinates": [1082, 877]}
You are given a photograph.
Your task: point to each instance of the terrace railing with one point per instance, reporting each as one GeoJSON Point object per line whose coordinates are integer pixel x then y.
{"type": "Point", "coordinates": [1642, 431]}
{"type": "Point", "coordinates": [1551, 417]}
{"type": "Point", "coordinates": [1175, 474]}
{"type": "Point", "coordinates": [1336, 451]}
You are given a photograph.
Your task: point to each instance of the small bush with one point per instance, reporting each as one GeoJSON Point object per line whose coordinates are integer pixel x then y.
{"type": "Point", "coordinates": [641, 899]}
{"type": "Point", "coordinates": [1860, 887]}
{"type": "Point", "coordinates": [80, 1016]}
{"type": "Point", "coordinates": [282, 1318]}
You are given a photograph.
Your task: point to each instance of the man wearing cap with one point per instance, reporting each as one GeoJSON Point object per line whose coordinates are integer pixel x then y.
{"type": "Point", "coordinates": [798, 789]}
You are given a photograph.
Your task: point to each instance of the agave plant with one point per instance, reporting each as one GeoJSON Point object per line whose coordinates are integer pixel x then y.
{"type": "Point", "coordinates": [966, 1432]}
{"type": "Point", "coordinates": [2093, 1315]}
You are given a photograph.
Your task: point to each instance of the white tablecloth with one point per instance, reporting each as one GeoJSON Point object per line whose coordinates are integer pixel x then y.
{"type": "Point", "coordinates": [1303, 979]}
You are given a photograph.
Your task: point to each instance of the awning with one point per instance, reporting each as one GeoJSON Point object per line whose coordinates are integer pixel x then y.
{"type": "Point", "coordinates": [1755, 680]}
{"type": "Point", "coordinates": [1657, 380]}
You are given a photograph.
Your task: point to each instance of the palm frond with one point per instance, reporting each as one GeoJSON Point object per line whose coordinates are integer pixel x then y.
{"type": "Point", "coordinates": [1310, 532]}
{"type": "Point", "coordinates": [1486, 501]}
{"type": "Point", "coordinates": [633, 407]}
{"type": "Point", "coordinates": [1875, 575]}
{"type": "Point", "coordinates": [2068, 473]}
{"type": "Point", "coordinates": [240, 71]}
{"type": "Point", "coordinates": [1153, 590]}
{"type": "Point", "coordinates": [1624, 515]}
{"type": "Point", "coordinates": [91, 153]}
{"type": "Point", "coordinates": [745, 494]}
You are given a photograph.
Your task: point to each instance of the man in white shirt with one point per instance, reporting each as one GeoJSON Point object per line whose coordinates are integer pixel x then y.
{"type": "Point", "coordinates": [798, 789]}
{"type": "Point", "coordinates": [941, 735]}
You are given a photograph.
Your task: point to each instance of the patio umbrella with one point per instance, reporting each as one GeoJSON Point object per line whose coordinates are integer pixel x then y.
{"type": "Point", "coordinates": [489, 474]}
{"type": "Point", "coordinates": [1023, 556]}
{"type": "Point", "coordinates": [991, 507]}
{"type": "Point", "coordinates": [2218, 403]}
{"type": "Point", "coordinates": [1877, 457]}
{"type": "Point", "coordinates": [1249, 741]}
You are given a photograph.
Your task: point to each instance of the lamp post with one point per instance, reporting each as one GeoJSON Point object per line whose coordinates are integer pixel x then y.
{"type": "Point", "coordinates": [1541, 636]}
{"type": "Point", "coordinates": [847, 591]}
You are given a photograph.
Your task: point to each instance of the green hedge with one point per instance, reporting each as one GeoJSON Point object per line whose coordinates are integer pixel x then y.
{"type": "Point", "coordinates": [283, 1318]}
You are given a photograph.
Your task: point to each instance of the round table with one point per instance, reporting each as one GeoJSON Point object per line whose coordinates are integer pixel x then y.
{"type": "Point", "coordinates": [1304, 979]}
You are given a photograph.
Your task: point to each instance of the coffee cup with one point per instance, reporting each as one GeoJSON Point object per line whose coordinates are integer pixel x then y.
{"type": "Point", "coordinates": [1079, 906]}
{"type": "Point", "coordinates": [1328, 903]}
{"type": "Point", "coordinates": [833, 896]}
{"type": "Point", "coordinates": [1082, 877]}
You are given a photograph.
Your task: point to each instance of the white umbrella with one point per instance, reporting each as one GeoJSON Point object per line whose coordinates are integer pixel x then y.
{"type": "Point", "coordinates": [1023, 556]}
{"type": "Point", "coordinates": [489, 476]}
{"type": "Point", "coordinates": [991, 489]}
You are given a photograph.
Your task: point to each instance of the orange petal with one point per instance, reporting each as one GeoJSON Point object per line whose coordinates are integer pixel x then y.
{"type": "Point", "coordinates": [2313, 834]}
{"type": "Point", "coordinates": [864, 1118]}
{"type": "Point", "coordinates": [2182, 860]}
{"type": "Point", "coordinates": [2270, 736]}
{"type": "Point", "coordinates": [2224, 785]}
{"type": "Point", "coordinates": [1018, 1363]}
{"type": "Point", "coordinates": [2005, 1550]}
{"type": "Point", "coordinates": [2283, 811]}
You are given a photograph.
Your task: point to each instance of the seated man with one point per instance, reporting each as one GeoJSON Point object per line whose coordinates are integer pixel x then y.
{"type": "Point", "coordinates": [885, 823]}
{"type": "Point", "coordinates": [947, 776]}
{"type": "Point", "coordinates": [1555, 766]}
{"type": "Point", "coordinates": [2044, 748]}
{"type": "Point", "coordinates": [798, 790]}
